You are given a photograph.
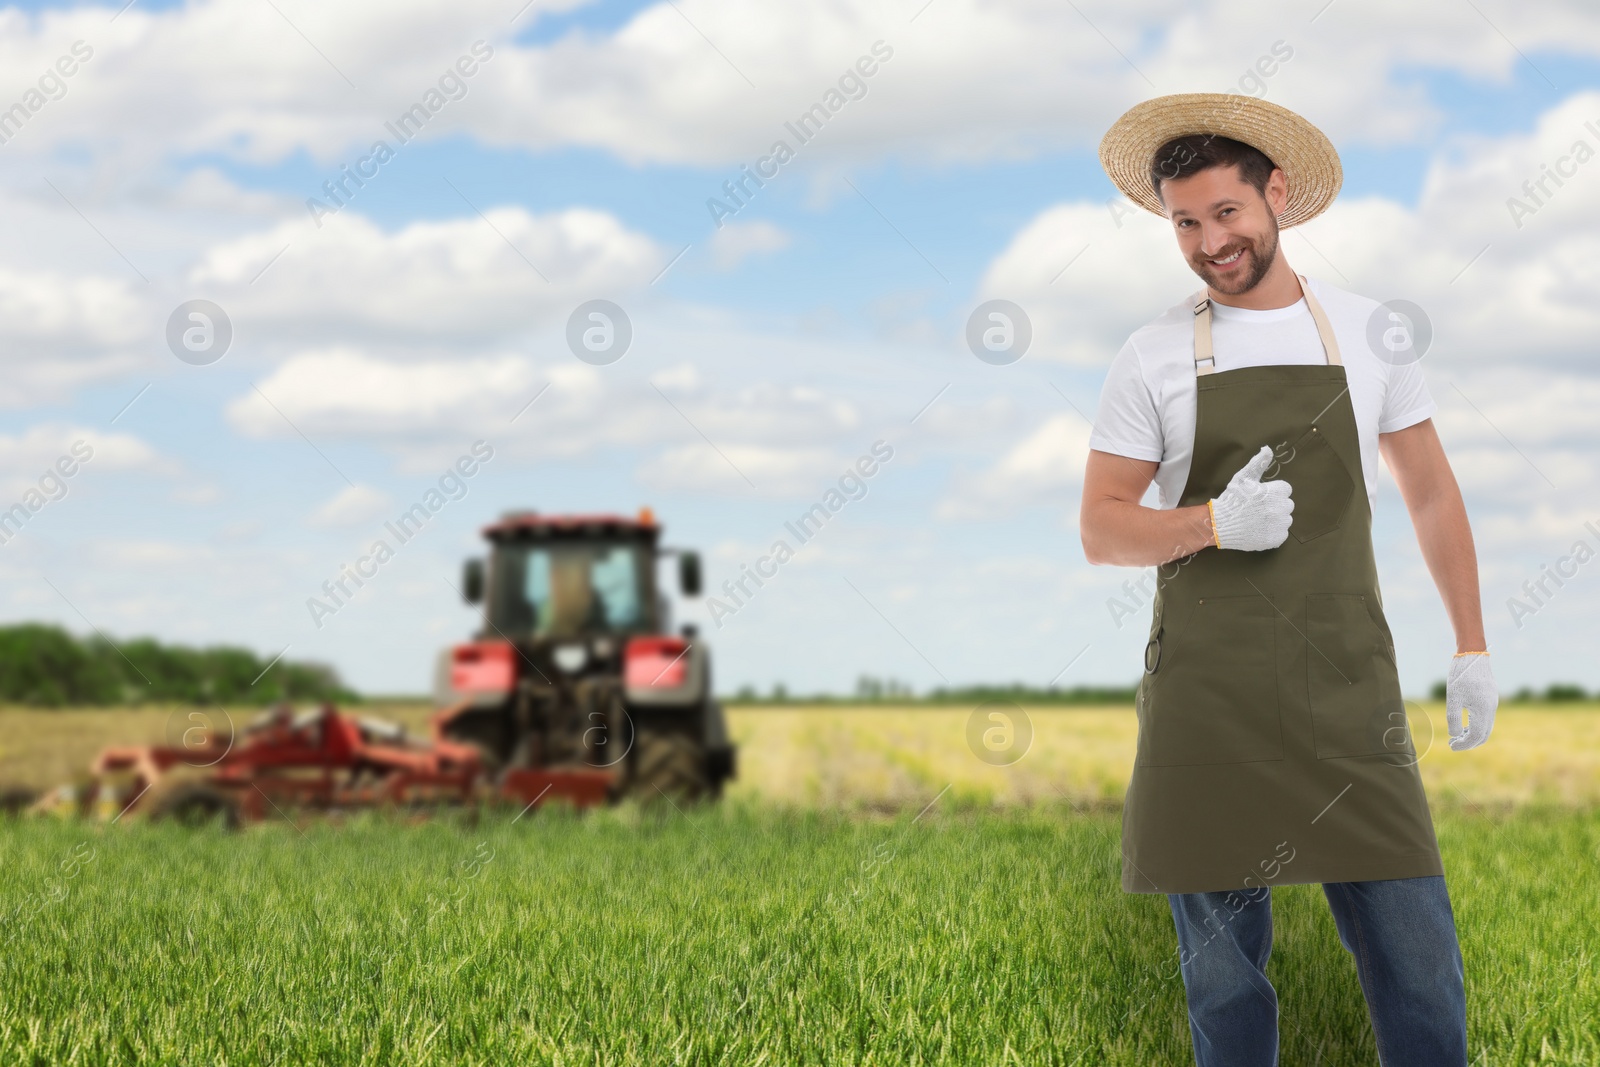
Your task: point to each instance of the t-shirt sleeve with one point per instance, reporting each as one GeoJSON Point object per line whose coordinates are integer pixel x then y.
{"type": "Point", "coordinates": [1128, 422]}
{"type": "Point", "coordinates": [1406, 400]}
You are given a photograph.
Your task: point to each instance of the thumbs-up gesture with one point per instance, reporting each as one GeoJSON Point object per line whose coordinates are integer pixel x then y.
{"type": "Point", "coordinates": [1252, 515]}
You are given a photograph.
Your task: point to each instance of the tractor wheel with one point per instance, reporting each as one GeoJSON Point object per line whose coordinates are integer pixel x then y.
{"type": "Point", "coordinates": [196, 804]}
{"type": "Point", "coordinates": [668, 765]}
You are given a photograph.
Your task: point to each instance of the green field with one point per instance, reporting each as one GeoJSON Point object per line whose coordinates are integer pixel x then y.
{"type": "Point", "coordinates": [742, 935]}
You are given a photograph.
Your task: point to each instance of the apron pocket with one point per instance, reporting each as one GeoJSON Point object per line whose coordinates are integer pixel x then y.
{"type": "Point", "coordinates": [1322, 486]}
{"type": "Point", "coordinates": [1354, 689]}
{"type": "Point", "coordinates": [1213, 697]}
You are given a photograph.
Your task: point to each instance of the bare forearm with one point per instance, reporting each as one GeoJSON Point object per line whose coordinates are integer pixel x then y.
{"type": "Point", "coordinates": [1445, 537]}
{"type": "Point", "coordinates": [1123, 534]}
{"type": "Point", "coordinates": [1428, 485]}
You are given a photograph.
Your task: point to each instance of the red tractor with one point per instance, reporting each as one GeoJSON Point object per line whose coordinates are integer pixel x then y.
{"type": "Point", "coordinates": [575, 685]}
{"type": "Point", "coordinates": [573, 690]}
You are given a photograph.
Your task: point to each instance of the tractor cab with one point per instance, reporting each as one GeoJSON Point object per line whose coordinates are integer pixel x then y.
{"type": "Point", "coordinates": [574, 670]}
{"type": "Point", "coordinates": [552, 578]}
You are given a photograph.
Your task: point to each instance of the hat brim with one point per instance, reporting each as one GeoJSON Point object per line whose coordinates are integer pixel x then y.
{"type": "Point", "coordinates": [1304, 154]}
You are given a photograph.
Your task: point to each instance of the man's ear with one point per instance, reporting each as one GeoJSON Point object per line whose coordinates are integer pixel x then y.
{"type": "Point", "coordinates": [1277, 191]}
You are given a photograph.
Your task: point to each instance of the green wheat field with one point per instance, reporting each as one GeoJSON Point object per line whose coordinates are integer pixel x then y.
{"type": "Point", "coordinates": [956, 930]}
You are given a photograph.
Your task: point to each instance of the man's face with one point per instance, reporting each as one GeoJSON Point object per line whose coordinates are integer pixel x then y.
{"type": "Point", "coordinates": [1226, 230]}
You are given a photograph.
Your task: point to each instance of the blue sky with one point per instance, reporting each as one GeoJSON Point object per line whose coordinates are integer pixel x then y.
{"type": "Point", "coordinates": [823, 317]}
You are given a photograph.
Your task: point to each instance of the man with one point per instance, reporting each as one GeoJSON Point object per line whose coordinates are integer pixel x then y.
{"type": "Point", "coordinates": [1273, 742]}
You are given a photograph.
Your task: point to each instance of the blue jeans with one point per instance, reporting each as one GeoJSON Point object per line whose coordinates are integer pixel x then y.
{"type": "Point", "coordinates": [1402, 934]}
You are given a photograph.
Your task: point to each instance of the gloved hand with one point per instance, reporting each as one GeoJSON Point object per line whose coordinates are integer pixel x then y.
{"type": "Point", "coordinates": [1470, 686]}
{"type": "Point", "coordinates": [1252, 515]}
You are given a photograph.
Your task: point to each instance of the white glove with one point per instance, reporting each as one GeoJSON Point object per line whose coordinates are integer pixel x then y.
{"type": "Point", "coordinates": [1470, 686]}
{"type": "Point", "coordinates": [1252, 515]}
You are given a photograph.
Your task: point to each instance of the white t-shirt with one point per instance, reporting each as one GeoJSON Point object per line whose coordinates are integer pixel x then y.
{"type": "Point", "coordinates": [1147, 403]}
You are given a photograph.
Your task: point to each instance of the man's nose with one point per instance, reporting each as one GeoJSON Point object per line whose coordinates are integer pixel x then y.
{"type": "Point", "coordinates": [1213, 239]}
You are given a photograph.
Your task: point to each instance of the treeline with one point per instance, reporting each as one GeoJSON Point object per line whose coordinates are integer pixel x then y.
{"type": "Point", "coordinates": [46, 666]}
{"type": "Point", "coordinates": [890, 691]}
{"type": "Point", "coordinates": [1021, 694]}
{"type": "Point", "coordinates": [874, 691]}
{"type": "Point", "coordinates": [1558, 693]}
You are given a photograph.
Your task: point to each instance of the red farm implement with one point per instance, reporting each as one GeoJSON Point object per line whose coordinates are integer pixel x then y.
{"type": "Point", "coordinates": [319, 761]}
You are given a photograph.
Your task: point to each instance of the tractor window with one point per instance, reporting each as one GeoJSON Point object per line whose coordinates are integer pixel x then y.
{"type": "Point", "coordinates": [562, 590]}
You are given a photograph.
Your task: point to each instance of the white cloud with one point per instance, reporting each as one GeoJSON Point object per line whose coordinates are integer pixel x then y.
{"type": "Point", "coordinates": [734, 242]}
{"type": "Point", "coordinates": [26, 457]}
{"type": "Point", "coordinates": [740, 470]}
{"type": "Point", "coordinates": [257, 82]}
{"type": "Point", "coordinates": [683, 378]}
{"type": "Point", "coordinates": [1043, 469]}
{"type": "Point", "coordinates": [346, 393]}
{"type": "Point", "coordinates": [198, 495]}
{"type": "Point", "coordinates": [1507, 428]}
{"type": "Point", "coordinates": [72, 313]}
{"type": "Point", "coordinates": [453, 285]}
{"type": "Point", "coordinates": [462, 279]}
{"type": "Point", "coordinates": [1522, 442]}
{"type": "Point", "coordinates": [58, 332]}
{"type": "Point", "coordinates": [1087, 276]}
{"type": "Point", "coordinates": [351, 506]}
{"type": "Point", "coordinates": [968, 80]}
{"type": "Point", "coordinates": [146, 555]}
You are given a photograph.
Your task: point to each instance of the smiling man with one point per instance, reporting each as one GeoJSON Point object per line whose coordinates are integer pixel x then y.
{"type": "Point", "coordinates": [1273, 742]}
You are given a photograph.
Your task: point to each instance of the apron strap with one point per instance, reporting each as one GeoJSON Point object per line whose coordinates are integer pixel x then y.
{"type": "Point", "coordinates": [1205, 361]}
{"type": "Point", "coordinates": [1330, 343]}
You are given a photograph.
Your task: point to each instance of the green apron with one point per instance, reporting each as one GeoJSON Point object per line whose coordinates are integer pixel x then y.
{"type": "Point", "coordinates": [1273, 742]}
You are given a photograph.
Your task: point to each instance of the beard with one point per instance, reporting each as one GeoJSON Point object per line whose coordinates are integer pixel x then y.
{"type": "Point", "coordinates": [1259, 252]}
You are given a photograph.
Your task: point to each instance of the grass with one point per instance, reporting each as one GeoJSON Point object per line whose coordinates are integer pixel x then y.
{"type": "Point", "coordinates": [825, 913]}
{"type": "Point", "coordinates": [742, 935]}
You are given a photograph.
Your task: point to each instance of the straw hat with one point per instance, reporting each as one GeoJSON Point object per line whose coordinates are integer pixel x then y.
{"type": "Point", "coordinates": [1299, 149]}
